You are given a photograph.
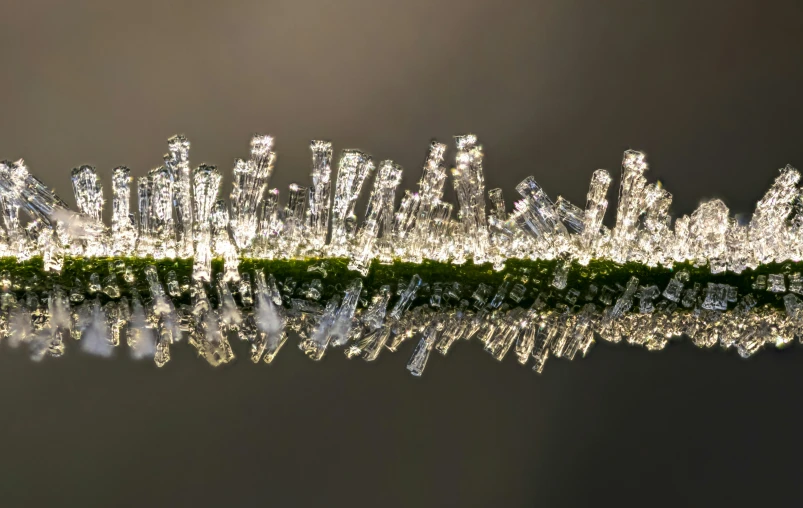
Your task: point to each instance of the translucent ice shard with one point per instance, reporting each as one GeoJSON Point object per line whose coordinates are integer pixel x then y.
{"type": "Point", "coordinates": [454, 328]}
{"type": "Point", "coordinates": [145, 235]}
{"type": "Point", "coordinates": [571, 215]}
{"type": "Point", "coordinates": [631, 204]}
{"type": "Point", "coordinates": [560, 276]}
{"type": "Point", "coordinates": [353, 169]}
{"type": "Point", "coordinates": [89, 197]}
{"type": "Point", "coordinates": [624, 303]}
{"type": "Point", "coordinates": [163, 317]}
{"type": "Point", "coordinates": [14, 242]}
{"type": "Point", "coordinates": [708, 226]}
{"type": "Point", "coordinates": [421, 353]}
{"type": "Point", "coordinates": [118, 314]}
{"type": "Point", "coordinates": [18, 315]}
{"type": "Point", "coordinates": [674, 290]}
{"type": "Point", "coordinates": [124, 233]}
{"type": "Point", "coordinates": [507, 333]}
{"type": "Point", "coordinates": [416, 212]}
{"type": "Point", "coordinates": [271, 224]}
{"type": "Point", "coordinates": [378, 216]}
{"type": "Point", "coordinates": [343, 320]}
{"type": "Point", "coordinates": [140, 338]}
{"type": "Point", "coordinates": [222, 244]}
{"type": "Point", "coordinates": [770, 216]}
{"type": "Point", "coordinates": [794, 312]}
{"type": "Point", "coordinates": [35, 330]}
{"type": "Point", "coordinates": [537, 217]}
{"type": "Point", "coordinates": [406, 298]}
{"type": "Point", "coordinates": [647, 296]}
{"type": "Point", "coordinates": [715, 297]}
{"type": "Point", "coordinates": [655, 236]}
{"type": "Point", "coordinates": [206, 183]}
{"type": "Point", "coordinates": [469, 185]}
{"type": "Point", "coordinates": [525, 342]}
{"type": "Point", "coordinates": [374, 315]}
{"type": "Point", "coordinates": [582, 334]}
{"type": "Point", "coordinates": [270, 319]}
{"type": "Point", "coordinates": [315, 346]}
{"type": "Point", "coordinates": [205, 335]}
{"type": "Point", "coordinates": [161, 221]}
{"type": "Point", "coordinates": [88, 192]}
{"type": "Point", "coordinates": [295, 229]}
{"type": "Point", "coordinates": [546, 330]}
{"type": "Point", "coordinates": [178, 163]}
{"type": "Point", "coordinates": [96, 336]}
{"type": "Point", "coordinates": [230, 316]}
{"type": "Point", "coordinates": [320, 194]}
{"type": "Point", "coordinates": [335, 325]}
{"type": "Point", "coordinates": [596, 205]}
{"type": "Point", "coordinates": [498, 204]}
{"type": "Point", "coordinates": [250, 181]}
{"type": "Point", "coordinates": [404, 219]}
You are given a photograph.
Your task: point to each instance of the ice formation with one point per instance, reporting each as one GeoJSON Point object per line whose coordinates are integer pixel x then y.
{"type": "Point", "coordinates": [180, 215]}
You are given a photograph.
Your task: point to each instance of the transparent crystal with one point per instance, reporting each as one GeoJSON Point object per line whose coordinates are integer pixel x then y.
{"type": "Point", "coordinates": [89, 198]}
{"type": "Point", "coordinates": [414, 235]}
{"type": "Point", "coordinates": [248, 192]}
{"type": "Point", "coordinates": [378, 221]}
{"type": "Point", "coordinates": [469, 186]}
{"type": "Point", "coordinates": [177, 163]}
{"type": "Point", "coordinates": [571, 215]}
{"type": "Point", "coordinates": [206, 183]}
{"type": "Point", "coordinates": [631, 205]}
{"type": "Point", "coordinates": [320, 194]}
{"type": "Point", "coordinates": [406, 298]}
{"type": "Point", "coordinates": [596, 205]}
{"type": "Point", "coordinates": [421, 353]}
{"type": "Point", "coordinates": [270, 319]}
{"type": "Point", "coordinates": [674, 289]}
{"type": "Point", "coordinates": [124, 233]}
{"type": "Point", "coordinates": [796, 283]}
{"type": "Point", "coordinates": [353, 169]}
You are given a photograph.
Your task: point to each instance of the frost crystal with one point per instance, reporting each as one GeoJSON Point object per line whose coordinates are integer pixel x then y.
{"type": "Point", "coordinates": [320, 194]}
{"type": "Point", "coordinates": [177, 162]}
{"type": "Point", "coordinates": [353, 169]}
{"type": "Point", "coordinates": [123, 227]}
{"type": "Point", "coordinates": [250, 181]}
{"type": "Point", "coordinates": [206, 183]}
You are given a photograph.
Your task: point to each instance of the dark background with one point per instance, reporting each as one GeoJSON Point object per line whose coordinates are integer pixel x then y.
{"type": "Point", "coordinates": [712, 91]}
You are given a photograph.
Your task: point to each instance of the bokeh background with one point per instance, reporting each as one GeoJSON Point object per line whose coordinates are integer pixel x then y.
{"type": "Point", "coordinates": [711, 91]}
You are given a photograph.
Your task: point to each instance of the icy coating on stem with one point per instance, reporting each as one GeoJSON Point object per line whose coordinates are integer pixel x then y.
{"type": "Point", "coordinates": [179, 215]}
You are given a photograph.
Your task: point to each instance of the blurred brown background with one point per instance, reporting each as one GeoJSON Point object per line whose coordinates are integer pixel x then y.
{"type": "Point", "coordinates": [710, 90]}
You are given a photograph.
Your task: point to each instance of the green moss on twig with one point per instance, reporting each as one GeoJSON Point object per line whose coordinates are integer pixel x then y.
{"type": "Point", "coordinates": [535, 275]}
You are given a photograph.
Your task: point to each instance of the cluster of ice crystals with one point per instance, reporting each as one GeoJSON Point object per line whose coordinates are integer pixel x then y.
{"type": "Point", "coordinates": [378, 223]}
{"type": "Point", "coordinates": [469, 186]}
{"type": "Point", "coordinates": [352, 171]}
{"type": "Point", "coordinates": [415, 238]}
{"type": "Point", "coordinates": [592, 235]}
{"type": "Point", "coordinates": [179, 214]}
{"type": "Point", "coordinates": [250, 181]}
